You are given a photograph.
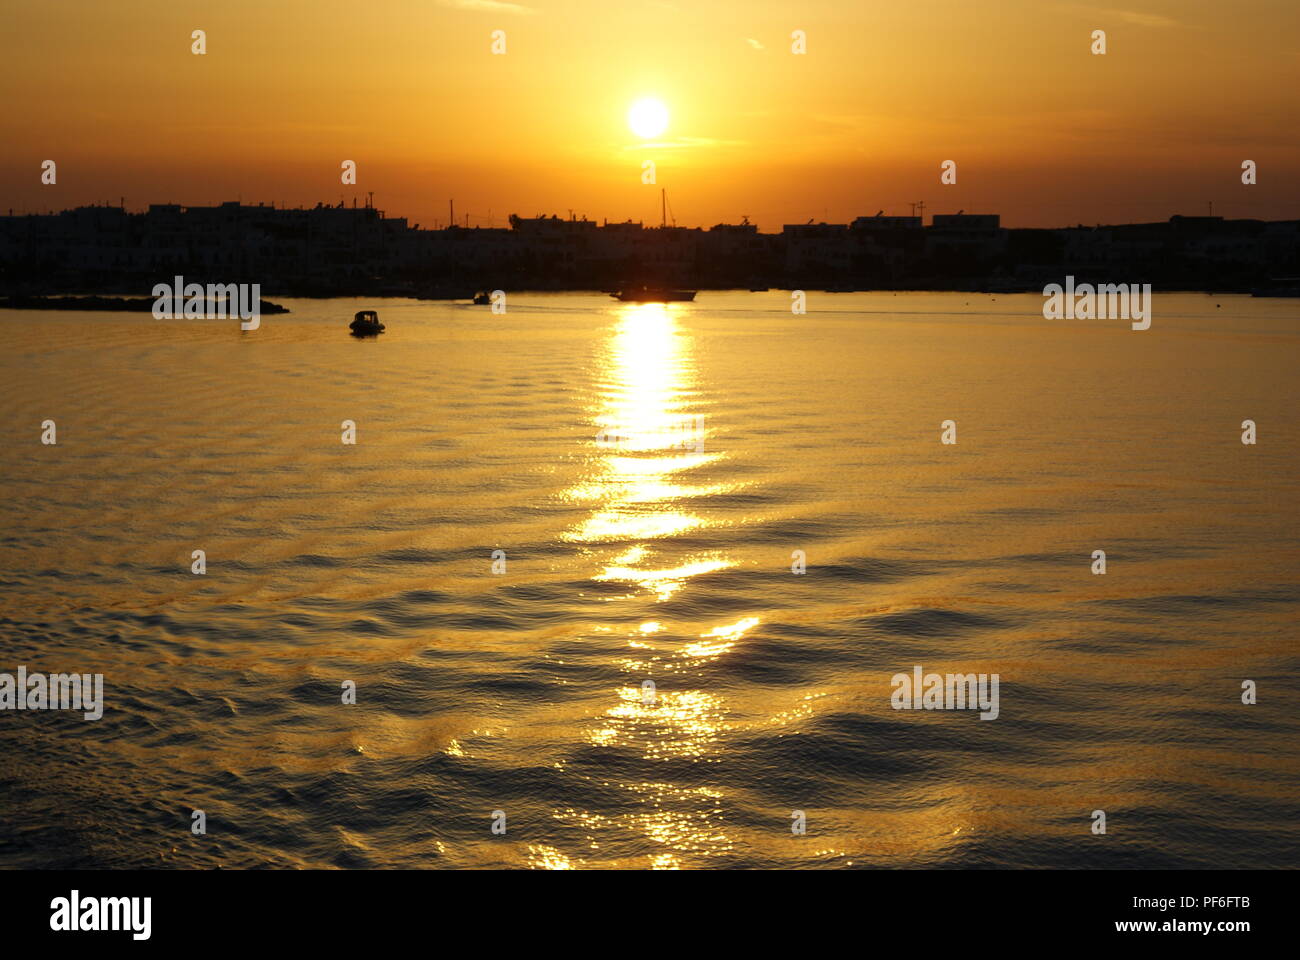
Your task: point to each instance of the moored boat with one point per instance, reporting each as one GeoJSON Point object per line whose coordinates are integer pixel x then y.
{"type": "Point", "coordinates": [366, 324]}
{"type": "Point", "coordinates": [653, 295]}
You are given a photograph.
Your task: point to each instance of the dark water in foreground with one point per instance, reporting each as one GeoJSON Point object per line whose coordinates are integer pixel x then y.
{"type": "Point", "coordinates": [661, 552]}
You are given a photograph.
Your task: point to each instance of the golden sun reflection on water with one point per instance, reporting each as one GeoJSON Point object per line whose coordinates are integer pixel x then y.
{"type": "Point", "coordinates": [721, 639]}
{"type": "Point", "coordinates": [649, 441]}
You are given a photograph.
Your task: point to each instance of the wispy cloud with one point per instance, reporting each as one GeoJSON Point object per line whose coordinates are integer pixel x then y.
{"type": "Point", "coordinates": [754, 43]}
{"type": "Point", "coordinates": [487, 6]}
{"type": "Point", "coordinates": [1144, 19]}
{"type": "Point", "coordinates": [686, 142]}
{"type": "Point", "coordinates": [1138, 18]}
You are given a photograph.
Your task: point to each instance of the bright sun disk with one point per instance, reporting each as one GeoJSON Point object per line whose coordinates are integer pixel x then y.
{"type": "Point", "coordinates": [648, 117]}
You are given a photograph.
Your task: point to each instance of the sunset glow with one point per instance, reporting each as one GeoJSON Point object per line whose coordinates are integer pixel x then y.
{"type": "Point", "coordinates": [1047, 133]}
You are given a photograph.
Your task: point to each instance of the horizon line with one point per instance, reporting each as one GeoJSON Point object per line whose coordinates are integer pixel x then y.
{"type": "Point", "coordinates": [320, 205]}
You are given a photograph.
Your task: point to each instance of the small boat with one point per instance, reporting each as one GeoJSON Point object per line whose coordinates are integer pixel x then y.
{"type": "Point", "coordinates": [366, 324]}
{"type": "Point", "coordinates": [653, 295]}
{"type": "Point", "coordinates": [482, 299]}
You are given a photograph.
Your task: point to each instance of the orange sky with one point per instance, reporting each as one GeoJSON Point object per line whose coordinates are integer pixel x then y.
{"type": "Point", "coordinates": [1042, 131]}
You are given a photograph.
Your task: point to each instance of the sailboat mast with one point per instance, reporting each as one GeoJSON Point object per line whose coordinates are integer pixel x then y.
{"type": "Point", "coordinates": [663, 207]}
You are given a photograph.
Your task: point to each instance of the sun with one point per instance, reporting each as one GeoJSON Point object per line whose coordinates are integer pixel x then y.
{"type": "Point", "coordinates": [648, 117]}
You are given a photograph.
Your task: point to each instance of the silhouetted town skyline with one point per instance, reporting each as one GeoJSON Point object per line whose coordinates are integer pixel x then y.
{"type": "Point", "coordinates": [358, 249]}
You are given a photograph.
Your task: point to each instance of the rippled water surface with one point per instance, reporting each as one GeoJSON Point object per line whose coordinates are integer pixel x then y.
{"type": "Point", "coordinates": [649, 473]}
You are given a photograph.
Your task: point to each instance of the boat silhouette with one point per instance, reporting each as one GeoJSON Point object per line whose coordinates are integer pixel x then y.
{"type": "Point", "coordinates": [366, 324]}
{"type": "Point", "coordinates": [653, 295]}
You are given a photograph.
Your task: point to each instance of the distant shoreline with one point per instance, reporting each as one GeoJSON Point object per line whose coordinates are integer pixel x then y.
{"type": "Point", "coordinates": [133, 304]}
{"type": "Point", "coordinates": [104, 304]}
